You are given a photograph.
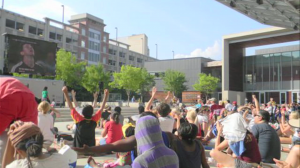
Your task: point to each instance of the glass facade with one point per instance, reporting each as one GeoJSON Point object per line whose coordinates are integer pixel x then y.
{"type": "Point", "coordinates": [277, 71]}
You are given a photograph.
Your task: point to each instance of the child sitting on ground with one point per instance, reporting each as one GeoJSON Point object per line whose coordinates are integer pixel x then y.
{"type": "Point", "coordinates": [113, 130]}
{"type": "Point", "coordinates": [86, 124]}
{"type": "Point", "coordinates": [124, 158]}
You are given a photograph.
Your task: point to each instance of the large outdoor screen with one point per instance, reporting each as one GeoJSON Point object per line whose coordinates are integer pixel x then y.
{"type": "Point", "coordinates": [31, 56]}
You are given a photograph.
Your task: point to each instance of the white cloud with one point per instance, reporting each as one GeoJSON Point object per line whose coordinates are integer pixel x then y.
{"type": "Point", "coordinates": [38, 9]}
{"type": "Point", "coordinates": [213, 52]}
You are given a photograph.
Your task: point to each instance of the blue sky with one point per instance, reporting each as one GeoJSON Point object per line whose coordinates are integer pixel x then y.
{"type": "Point", "coordinates": [188, 27]}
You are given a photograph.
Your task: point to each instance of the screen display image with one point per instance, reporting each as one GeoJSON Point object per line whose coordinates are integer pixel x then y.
{"type": "Point", "coordinates": [31, 56]}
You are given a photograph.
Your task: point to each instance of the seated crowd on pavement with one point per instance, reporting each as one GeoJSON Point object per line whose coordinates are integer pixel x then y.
{"type": "Point", "coordinates": [163, 134]}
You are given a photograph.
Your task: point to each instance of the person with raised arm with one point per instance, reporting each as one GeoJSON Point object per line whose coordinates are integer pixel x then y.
{"type": "Point", "coordinates": [86, 124]}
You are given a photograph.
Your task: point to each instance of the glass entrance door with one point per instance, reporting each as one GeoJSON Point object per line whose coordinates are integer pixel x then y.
{"type": "Point", "coordinates": [283, 97]}
{"type": "Point", "coordinates": [262, 97]}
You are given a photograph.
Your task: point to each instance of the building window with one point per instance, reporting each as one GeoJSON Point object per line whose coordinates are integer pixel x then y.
{"type": "Point", "coordinates": [139, 60]}
{"type": "Point", "coordinates": [52, 35]}
{"type": "Point", "coordinates": [82, 43]}
{"type": "Point", "coordinates": [32, 30]}
{"type": "Point", "coordinates": [104, 49]}
{"type": "Point", "coordinates": [94, 46]}
{"type": "Point", "coordinates": [82, 55]}
{"type": "Point", "coordinates": [94, 35]}
{"type": "Point", "coordinates": [40, 32]}
{"type": "Point", "coordinates": [83, 32]}
{"type": "Point", "coordinates": [68, 40]}
{"type": "Point", "coordinates": [94, 57]}
{"type": "Point", "coordinates": [10, 23]}
{"type": "Point", "coordinates": [121, 54]}
{"type": "Point", "coordinates": [131, 58]}
{"type": "Point", "coordinates": [112, 62]}
{"type": "Point", "coordinates": [58, 37]}
{"type": "Point", "coordinates": [104, 60]}
{"type": "Point", "coordinates": [112, 52]}
{"type": "Point", "coordinates": [20, 26]}
{"type": "Point", "coordinates": [104, 38]}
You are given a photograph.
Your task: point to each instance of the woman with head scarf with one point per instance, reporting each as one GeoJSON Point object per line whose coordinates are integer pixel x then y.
{"type": "Point", "coordinates": [152, 152]}
{"type": "Point", "coordinates": [25, 140]}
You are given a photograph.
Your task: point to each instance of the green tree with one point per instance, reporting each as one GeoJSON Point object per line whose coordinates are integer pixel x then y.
{"type": "Point", "coordinates": [174, 82]}
{"type": "Point", "coordinates": [68, 69]}
{"type": "Point", "coordinates": [129, 78]}
{"type": "Point", "coordinates": [146, 84]}
{"type": "Point", "coordinates": [93, 76]}
{"type": "Point", "coordinates": [207, 84]}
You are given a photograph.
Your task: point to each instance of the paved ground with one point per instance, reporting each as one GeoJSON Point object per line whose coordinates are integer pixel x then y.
{"type": "Point", "coordinates": [126, 111]}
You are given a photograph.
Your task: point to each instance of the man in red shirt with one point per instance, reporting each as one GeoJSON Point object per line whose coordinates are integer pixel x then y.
{"type": "Point", "coordinates": [17, 102]}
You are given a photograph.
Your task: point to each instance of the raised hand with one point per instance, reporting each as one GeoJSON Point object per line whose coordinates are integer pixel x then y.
{"type": "Point", "coordinates": [73, 93]}
{"type": "Point", "coordinates": [154, 91]}
{"type": "Point", "coordinates": [65, 89]}
{"type": "Point", "coordinates": [96, 95]}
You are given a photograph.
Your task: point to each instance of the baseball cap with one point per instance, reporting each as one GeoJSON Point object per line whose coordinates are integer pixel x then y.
{"type": "Point", "coordinates": [234, 102]}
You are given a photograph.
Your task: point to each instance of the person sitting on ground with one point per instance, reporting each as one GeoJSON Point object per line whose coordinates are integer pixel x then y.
{"type": "Point", "coordinates": [105, 116]}
{"type": "Point", "coordinates": [152, 151]}
{"type": "Point", "coordinates": [267, 138]}
{"type": "Point", "coordinates": [124, 158]}
{"type": "Point", "coordinates": [292, 160]}
{"type": "Point", "coordinates": [191, 117]}
{"type": "Point", "coordinates": [17, 102]}
{"type": "Point", "coordinates": [86, 124]}
{"type": "Point", "coordinates": [141, 109]}
{"type": "Point", "coordinates": [45, 123]}
{"type": "Point", "coordinates": [286, 129]}
{"type": "Point", "coordinates": [121, 117]}
{"type": "Point", "coordinates": [26, 140]}
{"type": "Point", "coordinates": [202, 117]}
{"type": "Point", "coordinates": [239, 140]}
{"type": "Point", "coordinates": [113, 130]}
{"type": "Point", "coordinates": [190, 152]}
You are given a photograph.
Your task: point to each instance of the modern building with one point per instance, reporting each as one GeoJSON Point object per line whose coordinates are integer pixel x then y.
{"type": "Point", "coordinates": [84, 37]}
{"type": "Point", "coordinates": [271, 72]}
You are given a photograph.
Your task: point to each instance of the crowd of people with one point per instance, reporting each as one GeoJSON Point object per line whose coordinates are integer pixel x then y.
{"type": "Point", "coordinates": [160, 135]}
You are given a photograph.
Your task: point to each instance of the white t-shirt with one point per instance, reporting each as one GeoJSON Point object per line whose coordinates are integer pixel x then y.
{"type": "Point", "coordinates": [135, 117]}
{"type": "Point", "coordinates": [45, 122]}
{"type": "Point", "coordinates": [166, 123]}
{"type": "Point", "coordinates": [55, 160]}
{"type": "Point", "coordinates": [202, 118]}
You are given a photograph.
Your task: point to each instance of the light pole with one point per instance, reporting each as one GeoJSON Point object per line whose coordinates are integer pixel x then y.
{"type": "Point", "coordinates": [116, 35]}
{"type": "Point", "coordinates": [173, 54]}
{"type": "Point", "coordinates": [63, 14]}
{"type": "Point", "coordinates": [142, 45]}
{"type": "Point", "coordinates": [156, 50]}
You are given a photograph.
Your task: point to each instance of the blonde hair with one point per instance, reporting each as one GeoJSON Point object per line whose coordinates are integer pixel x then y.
{"type": "Point", "coordinates": [294, 115]}
{"type": "Point", "coordinates": [192, 116]}
{"type": "Point", "coordinates": [44, 107]}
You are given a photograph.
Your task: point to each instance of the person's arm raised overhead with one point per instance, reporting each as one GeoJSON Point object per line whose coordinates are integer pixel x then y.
{"type": "Point", "coordinates": [151, 99]}
{"type": "Point", "coordinates": [256, 104]}
{"type": "Point", "coordinates": [95, 95]}
{"type": "Point", "coordinates": [168, 97]}
{"type": "Point", "coordinates": [97, 116]}
{"type": "Point", "coordinates": [74, 98]}
{"type": "Point", "coordinates": [65, 91]}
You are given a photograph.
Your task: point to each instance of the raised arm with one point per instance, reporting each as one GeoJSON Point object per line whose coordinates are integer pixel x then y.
{"type": "Point", "coordinates": [95, 99]}
{"type": "Point", "coordinates": [256, 104]}
{"type": "Point", "coordinates": [65, 91]}
{"type": "Point", "coordinates": [151, 99]}
{"type": "Point", "coordinates": [168, 97]}
{"type": "Point", "coordinates": [106, 93]}
{"type": "Point", "coordinates": [74, 98]}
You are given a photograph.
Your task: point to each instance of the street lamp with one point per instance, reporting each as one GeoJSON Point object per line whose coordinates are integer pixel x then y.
{"type": "Point", "coordinates": [173, 54]}
{"type": "Point", "coordinates": [156, 50]}
{"type": "Point", "coordinates": [142, 45]}
{"type": "Point", "coordinates": [63, 14]}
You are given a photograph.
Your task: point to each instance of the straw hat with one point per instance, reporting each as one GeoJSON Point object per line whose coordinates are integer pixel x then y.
{"type": "Point", "coordinates": [295, 123]}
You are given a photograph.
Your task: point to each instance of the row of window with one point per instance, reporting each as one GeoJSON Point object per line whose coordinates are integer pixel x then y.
{"type": "Point", "coordinates": [94, 46]}
{"type": "Point", "coordinates": [35, 31]}
{"type": "Point", "coordinates": [111, 62]}
{"type": "Point", "coordinates": [121, 54]}
{"type": "Point", "coordinates": [94, 36]}
{"type": "Point", "coordinates": [14, 25]}
{"type": "Point", "coordinates": [94, 57]}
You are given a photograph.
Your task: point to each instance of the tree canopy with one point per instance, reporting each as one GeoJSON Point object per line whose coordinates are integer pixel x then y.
{"type": "Point", "coordinates": [93, 76]}
{"type": "Point", "coordinates": [129, 78]}
{"type": "Point", "coordinates": [147, 82]}
{"type": "Point", "coordinates": [207, 84]}
{"type": "Point", "coordinates": [68, 69]}
{"type": "Point", "coordinates": [174, 82]}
